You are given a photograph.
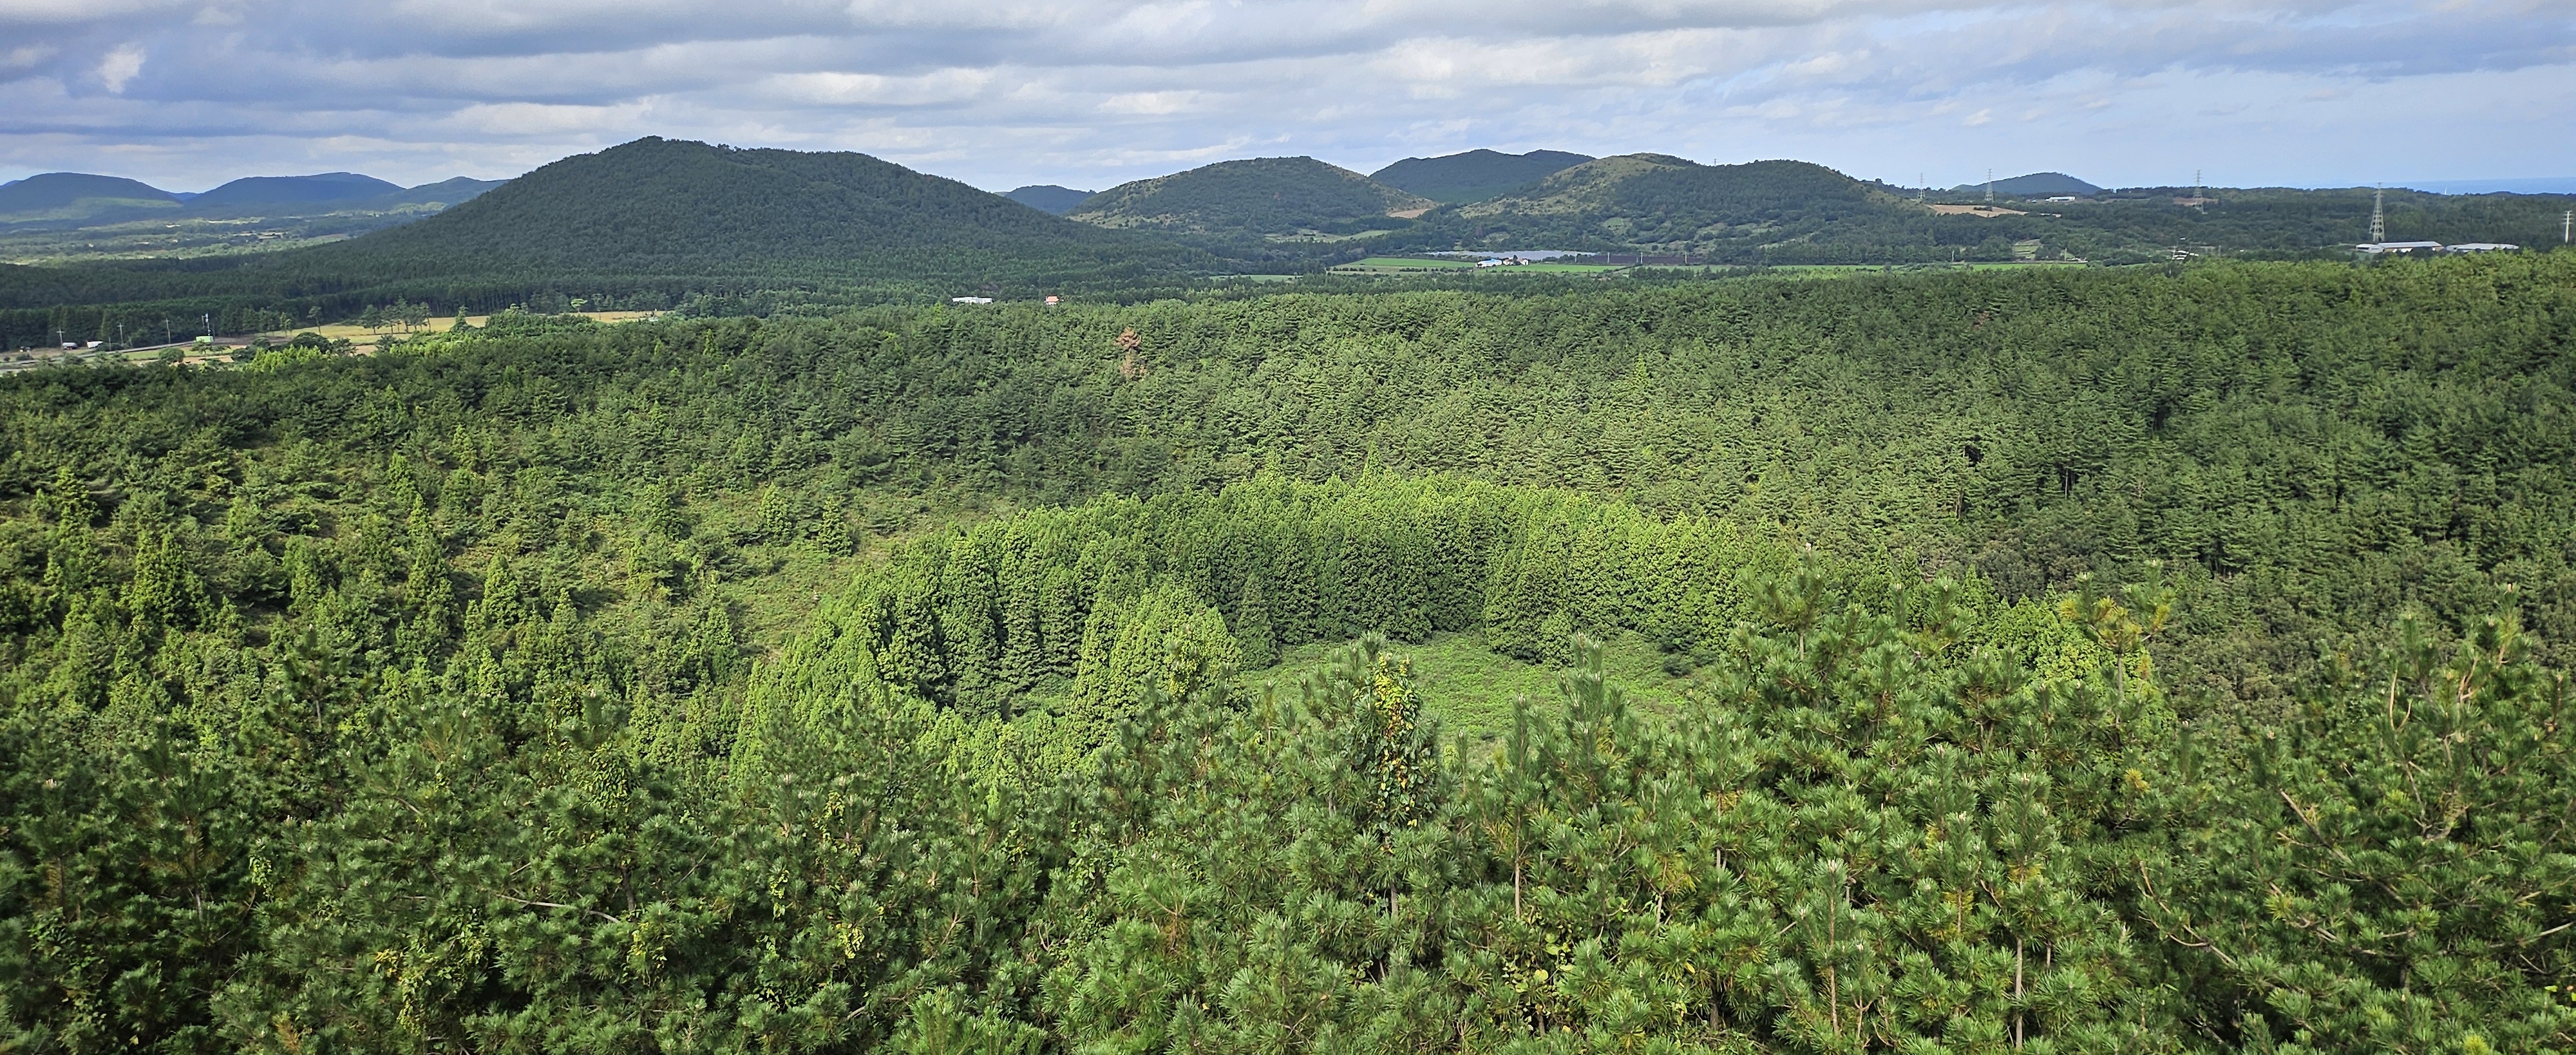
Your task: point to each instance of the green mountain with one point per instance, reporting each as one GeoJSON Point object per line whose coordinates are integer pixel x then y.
{"type": "Point", "coordinates": [1260, 196]}
{"type": "Point", "coordinates": [670, 208]}
{"type": "Point", "coordinates": [1047, 197]}
{"type": "Point", "coordinates": [1475, 175]}
{"type": "Point", "coordinates": [1790, 212]}
{"type": "Point", "coordinates": [78, 195]}
{"type": "Point", "coordinates": [257, 191]}
{"type": "Point", "coordinates": [1665, 203]}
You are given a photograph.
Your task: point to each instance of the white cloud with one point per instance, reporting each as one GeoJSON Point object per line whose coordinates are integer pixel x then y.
{"type": "Point", "coordinates": [25, 55]}
{"type": "Point", "coordinates": [120, 67]}
{"type": "Point", "coordinates": [869, 89]}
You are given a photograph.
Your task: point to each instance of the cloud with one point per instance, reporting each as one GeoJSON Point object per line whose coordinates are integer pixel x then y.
{"type": "Point", "coordinates": [119, 67]}
{"type": "Point", "coordinates": [1092, 92]}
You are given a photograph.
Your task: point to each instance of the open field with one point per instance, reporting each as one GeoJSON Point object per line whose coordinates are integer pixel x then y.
{"type": "Point", "coordinates": [363, 340]}
{"type": "Point", "coordinates": [350, 331]}
{"type": "Point", "coordinates": [367, 339]}
{"type": "Point", "coordinates": [1471, 687]}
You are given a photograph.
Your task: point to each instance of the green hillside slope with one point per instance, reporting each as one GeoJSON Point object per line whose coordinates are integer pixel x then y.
{"type": "Point", "coordinates": [1475, 175]}
{"type": "Point", "coordinates": [1790, 212]}
{"type": "Point", "coordinates": [1664, 203]}
{"type": "Point", "coordinates": [1260, 196]}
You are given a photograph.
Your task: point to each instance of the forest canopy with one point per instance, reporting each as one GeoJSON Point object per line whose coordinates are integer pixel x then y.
{"type": "Point", "coordinates": [2064, 661]}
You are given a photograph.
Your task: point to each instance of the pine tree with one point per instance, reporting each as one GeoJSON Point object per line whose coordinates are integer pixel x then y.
{"type": "Point", "coordinates": [429, 597]}
{"type": "Point", "coordinates": [1251, 625]}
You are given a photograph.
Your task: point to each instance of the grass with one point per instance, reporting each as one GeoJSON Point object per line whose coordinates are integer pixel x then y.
{"type": "Point", "coordinates": [1471, 687]}
{"type": "Point", "coordinates": [350, 331]}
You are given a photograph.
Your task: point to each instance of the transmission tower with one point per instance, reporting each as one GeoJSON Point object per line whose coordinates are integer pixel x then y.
{"type": "Point", "coordinates": [1922, 182]}
{"type": "Point", "coordinates": [2378, 216]}
{"type": "Point", "coordinates": [2566, 222]}
{"type": "Point", "coordinates": [1990, 185]}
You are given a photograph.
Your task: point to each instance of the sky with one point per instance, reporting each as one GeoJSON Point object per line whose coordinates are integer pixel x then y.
{"type": "Point", "coordinates": [1089, 93]}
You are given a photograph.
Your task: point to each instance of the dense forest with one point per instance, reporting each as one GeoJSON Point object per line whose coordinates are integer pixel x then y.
{"type": "Point", "coordinates": [2083, 660]}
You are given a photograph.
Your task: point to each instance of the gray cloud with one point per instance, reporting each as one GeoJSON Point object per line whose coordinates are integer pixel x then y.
{"type": "Point", "coordinates": [1090, 92]}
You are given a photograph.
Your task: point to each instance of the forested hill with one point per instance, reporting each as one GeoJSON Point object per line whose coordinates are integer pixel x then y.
{"type": "Point", "coordinates": [1261, 196]}
{"type": "Point", "coordinates": [1789, 212]}
{"type": "Point", "coordinates": [1475, 175]}
{"type": "Point", "coordinates": [665, 219]}
{"type": "Point", "coordinates": [661, 207]}
{"type": "Point", "coordinates": [1726, 212]}
{"type": "Point", "coordinates": [66, 195]}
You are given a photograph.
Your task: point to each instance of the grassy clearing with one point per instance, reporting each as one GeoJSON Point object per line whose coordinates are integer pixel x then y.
{"type": "Point", "coordinates": [1471, 687]}
{"type": "Point", "coordinates": [350, 331]}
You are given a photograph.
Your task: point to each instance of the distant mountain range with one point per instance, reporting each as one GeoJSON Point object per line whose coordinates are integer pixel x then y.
{"type": "Point", "coordinates": [1475, 175]}
{"type": "Point", "coordinates": [659, 222]}
{"type": "Point", "coordinates": [1674, 205]}
{"type": "Point", "coordinates": [82, 199]}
